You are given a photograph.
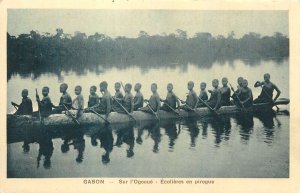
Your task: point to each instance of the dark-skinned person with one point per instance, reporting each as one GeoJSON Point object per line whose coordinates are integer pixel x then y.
{"type": "Point", "coordinates": [138, 98]}
{"type": "Point", "coordinates": [171, 100]}
{"type": "Point", "coordinates": [65, 99]}
{"type": "Point", "coordinates": [154, 101]}
{"type": "Point", "coordinates": [25, 107]}
{"type": "Point", "coordinates": [191, 98]}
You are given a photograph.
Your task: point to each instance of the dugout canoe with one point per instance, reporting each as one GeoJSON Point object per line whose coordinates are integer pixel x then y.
{"type": "Point", "coordinates": [114, 118]}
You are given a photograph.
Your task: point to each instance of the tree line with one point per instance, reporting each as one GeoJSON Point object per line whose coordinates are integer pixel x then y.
{"type": "Point", "coordinates": [45, 52]}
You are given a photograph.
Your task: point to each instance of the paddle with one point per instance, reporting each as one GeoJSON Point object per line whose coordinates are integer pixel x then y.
{"type": "Point", "coordinates": [148, 105]}
{"type": "Point", "coordinates": [243, 107]}
{"type": "Point", "coordinates": [37, 96]}
{"type": "Point", "coordinates": [194, 110]}
{"type": "Point", "coordinates": [14, 105]}
{"type": "Point", "coordinates": [177, 113]}
{"type": "Point", "coordinates": [99, 115]}
{"type": "Point", "coordinates": [208, 106]}
{"type": "Point", "coordinates": [71, 115]}
{"type": "Point", "coordinates": [124, 108]}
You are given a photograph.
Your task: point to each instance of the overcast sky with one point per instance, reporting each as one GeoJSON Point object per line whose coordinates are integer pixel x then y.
{"type": "Point", "coordinates": [128, 23]}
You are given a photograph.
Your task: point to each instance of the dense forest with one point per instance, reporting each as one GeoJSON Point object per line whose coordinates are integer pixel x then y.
{"type": "Point", "coordinates": [44, 52]}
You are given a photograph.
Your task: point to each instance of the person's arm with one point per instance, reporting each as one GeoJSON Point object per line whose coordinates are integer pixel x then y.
{"type": "Point", "coordinates": [177, 101]}
{"type": "Point", "coordinates": [218, 100]}
{"type": "Point", "coordinates": [132, 104]}
{"type": "Point", "coordinates": [158, 103]}
{"type": "Point", "coordinates": [30, 106]}
{"type": "Point", "coordinates": [195, 99]}
{"type": "Point", "coordinates": [278, 92]}
{"type": "Point", "coordinates": [108, 105]}
{"type": "Point", "coordinates": [258, 84]}
{"type": "Point", "coordinates": [15, 104]}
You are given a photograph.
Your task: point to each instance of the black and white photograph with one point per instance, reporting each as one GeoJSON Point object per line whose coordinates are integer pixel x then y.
{"type": "Point", "coordinates": [112, 93]}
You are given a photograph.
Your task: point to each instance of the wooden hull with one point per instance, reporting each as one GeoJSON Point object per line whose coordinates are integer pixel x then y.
{"type": "Point", "coordinates": [114, 118]}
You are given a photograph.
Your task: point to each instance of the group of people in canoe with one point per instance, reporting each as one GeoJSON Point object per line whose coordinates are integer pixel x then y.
{"type": "Point", "coordinates": [127, 103]}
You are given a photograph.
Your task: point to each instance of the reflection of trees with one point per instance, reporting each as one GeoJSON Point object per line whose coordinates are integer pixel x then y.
{"type": "Point", "coordinates": [39, 53]}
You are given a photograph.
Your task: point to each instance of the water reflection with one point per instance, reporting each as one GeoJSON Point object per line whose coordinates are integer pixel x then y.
{"type": "Point", "coordinates": [126, 136]}
{"type": "Point", "coordinates": [172, 132]}
{"type": "Point", "coordinates": [105, 136]}
{"type": "Point", "coordinates": [245, 120]}
{"type": "Point", "coordinates": [73, 136]}
{"type": "Point", "coordinates": [45, 148]}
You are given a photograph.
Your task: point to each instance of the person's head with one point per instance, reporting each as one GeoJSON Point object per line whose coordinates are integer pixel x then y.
{"type": "Point", "coordinates": [24, 93]}
{"type": "Point", "coordinates": [45, 91]}
{"type": "Point", "coordinates": [240, 81]}
{"type": "Point", "coordinates": [245, 83]}
{"type": "Point", "coordinates": [137, 87]}
{"type": "Point", "coordinates": [224, 81]}
{"type": "Point", "coordinates": [190, 85]}
{"type": "Point", "coordinates": [267, 77]}
{"type": "Point", "coordinates": [93, 89]}
{"type": "Point", "coordinates": [202, 85]}
{"type": "Point", "coordinates": [117, 86]}
{"type": "Point", "coordinates": [153, 87]}
{"type": "Point", "coordinates": [103, 86]}
{"type": "Point", "coordinates": [170, 87]}
{"type": "Point", "coordinates": [128, 87]}
{"type": "Point", "coordinates": [78, 90]}
{"type": "Point", "coordinates": [215, 83]}
{"type": "Point", "coordinates": [63, 87]}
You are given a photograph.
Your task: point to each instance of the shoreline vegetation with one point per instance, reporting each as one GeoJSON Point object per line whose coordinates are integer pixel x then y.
{"type": "Point", "coordinates": [40, 53]}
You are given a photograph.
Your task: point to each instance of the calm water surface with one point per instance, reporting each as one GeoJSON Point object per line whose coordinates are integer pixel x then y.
{"type": "Point", "coordinates": [235, 146]}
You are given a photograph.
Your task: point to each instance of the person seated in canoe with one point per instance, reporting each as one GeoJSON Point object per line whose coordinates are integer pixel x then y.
{"type": "Point", "coordinates": [171, 102]}
{"type": "Point", "coordinates": [191, 98]}
{"type": "Point", "coordinates": [78, 102]}
{"type": "Point", "coordinates": [94, 97]}
{"type": "Point", "coordinates": [104, 106]}
{"type": "Point", "coordinates": [65, 100]}
{"type": "Point", "coordinates": [225, 93]}
{"type": "Point", "coordinates": [214, 100]}
{"type": "Point", "coordinates": [246, 96]}
{"type": "Point", "coordinates": [118, 96]}
{"type": "Point", "coordinates": [203, 94]}
{"type": "Point", "coordinates": [25, 108]}
{"type": "Point", "coordinates": [138, 98]}
{"type": "Point", "coordinates": [236, 93]}
{"type": "Point", "coordinates": [153, 104]}
{"type": "Point", "coordinates": [127, 101]}
{"type": "Point", "coordinates": [45, 105]}
{"type": "Point", "coordinates": [266, 95]}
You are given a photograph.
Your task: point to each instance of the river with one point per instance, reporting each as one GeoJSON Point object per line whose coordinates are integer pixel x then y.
{"type": "Point", "coordinates": [235, 146]}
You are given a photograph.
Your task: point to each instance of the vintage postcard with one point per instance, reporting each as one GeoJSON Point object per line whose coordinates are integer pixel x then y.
{"type": "Point", "coordinates": [127, 96]}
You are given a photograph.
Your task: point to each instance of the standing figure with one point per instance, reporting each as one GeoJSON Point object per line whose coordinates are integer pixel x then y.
{"type": "Point", "coordinates": [266, 95]}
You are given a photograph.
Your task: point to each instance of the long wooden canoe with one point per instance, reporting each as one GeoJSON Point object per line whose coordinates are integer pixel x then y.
{"type": "Point", "coordinates": [91, 118]}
